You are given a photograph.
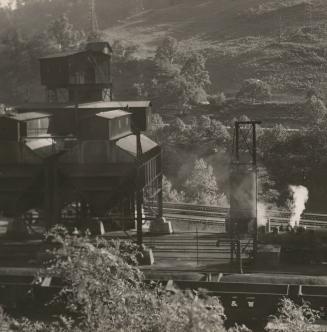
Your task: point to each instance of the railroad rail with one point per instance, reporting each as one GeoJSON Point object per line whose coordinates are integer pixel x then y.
{"type": "Point", "coordinates": [217, 215]}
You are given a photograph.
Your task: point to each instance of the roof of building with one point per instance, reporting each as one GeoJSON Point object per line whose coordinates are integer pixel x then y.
{"type": "Point", "coordinates": [117, 104]}
{"type": "Point", "coordinates": [112, 114]}
{"type": "Point", "coordinates": [28, 116]}
{"type": "Point", "coordinates": [43, 147]}
{"type": "Point", "coordinates": [90, 105]}
{"type": "Point", "coordinates": [61, 54]}
{"type": "Point", "coordinates": [128, 144]}
{"type": "Point", "coordinates": [93, 46]}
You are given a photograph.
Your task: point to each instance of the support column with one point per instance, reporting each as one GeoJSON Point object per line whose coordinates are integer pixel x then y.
{"type": "Point", "coordinates": [160, 203]}
{"type": "Point", "coordinates": [139, 196]}
{"type": "Point", "coordinates": [139, 191]}
{"type": "Point", "coordinates": [51, 197]}
{"type": "Point", "coordinates": [147, 254]}
{"type": "Point", "coordinates": [160, 225]}
{"type": "Point", "coordinates": [239, 255]}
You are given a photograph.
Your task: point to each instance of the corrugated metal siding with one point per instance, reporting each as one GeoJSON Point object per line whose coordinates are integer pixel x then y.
{"type": "Point", "coordinates": [89, 68]}
{"type": "Point", "coordinates": [96, 151]}
{"type": "Point", "coordinates": [119, 127]}
{"type": "Point", "coordinates": [38, 127]}
{"type": "Point", "coordinates": [54, 72]}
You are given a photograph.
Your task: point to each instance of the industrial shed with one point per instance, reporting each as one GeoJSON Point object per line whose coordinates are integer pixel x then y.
{"type": "Point", "coordinates": [86, 152]}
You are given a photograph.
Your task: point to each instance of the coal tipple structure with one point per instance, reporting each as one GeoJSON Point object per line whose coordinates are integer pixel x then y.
{"type": "Point", "coordinates": [80, 156]}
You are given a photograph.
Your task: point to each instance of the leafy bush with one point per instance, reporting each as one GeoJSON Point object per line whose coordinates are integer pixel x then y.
{"type": "Point", "coordinates": [294, 318]}
{"type": "Point", "coordinates": [218, 99]}
{"type": "Point", "coordinates": [254, 90]}
{"type": "Point", "coordinates": [104, 291]}
{"type": "Point", "coordinates": [187, 312]}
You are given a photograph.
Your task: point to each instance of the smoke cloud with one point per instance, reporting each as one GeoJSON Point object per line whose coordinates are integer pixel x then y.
{"type": "Point", "coordinates": [300, 196]}
{"type": "Point", "coordinates": [262, 218]}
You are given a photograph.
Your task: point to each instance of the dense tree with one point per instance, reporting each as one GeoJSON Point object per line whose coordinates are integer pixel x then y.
{"type": "Point", "coordinates": [19, 67]}
{"type": "Point", "coordinates": [167, 52]}
{"type": "Point", "coordinates": [157, 131]}
{"type": "Point", "coordinates": [181, 77]}
{"type": "Point", "coordinates": [62, 32]}
{"type": "Point", "coordinates": [297, 157]}
{"type": "Point", "coordinates": [274, 136]}
{"type": "Point", "coordinates": [254, 90]}
{"type": "Point", "coordinates": [169, 193]}
{"type": "Point", "coordinates": [201, 187]}
{"type": "Point", "coordinates": [123, 51]}
{"type": "Point", "coordinates": [316, 109]}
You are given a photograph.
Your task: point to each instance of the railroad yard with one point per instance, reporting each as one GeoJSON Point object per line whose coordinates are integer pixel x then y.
{"type": "Point", "coordinates": [109, 216]}
{"type": "Point", "coordinates": [197, 255]}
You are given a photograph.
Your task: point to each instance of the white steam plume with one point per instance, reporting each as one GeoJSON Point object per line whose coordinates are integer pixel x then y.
{"type": "Point", "coordinates": [262, 218]}
{"type": "Point", "coordinates": [300, 196]}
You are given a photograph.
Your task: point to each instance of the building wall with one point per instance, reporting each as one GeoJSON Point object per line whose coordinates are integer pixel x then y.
{"type": "Point", "coordinates": [96, 152]}
{"type": "Point", "coordinates": [54, 72]}
{"type": "Point", "coordinates": [9, 129]}
{"type": "Point", "coordinates": [119, 127]}
{"type": "Point", "coordinates": [37, 127]}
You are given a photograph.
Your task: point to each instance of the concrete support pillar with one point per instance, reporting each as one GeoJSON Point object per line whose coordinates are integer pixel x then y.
{"type": "Point", "coordinates": [161, 226]}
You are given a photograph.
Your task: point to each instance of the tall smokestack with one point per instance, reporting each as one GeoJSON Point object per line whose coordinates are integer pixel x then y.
{"type": "Point", "coordinates": [300, 196]}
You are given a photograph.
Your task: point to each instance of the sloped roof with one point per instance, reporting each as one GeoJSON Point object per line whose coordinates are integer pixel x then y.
{"type": "Point", "coordinates": [91, 105]}
{"type": "Point", "coordinates": [92, 46]}
{"type": "Point", "coordinates": [42, 147]}
{"type": "Point", "coordinates": [112, 114]}
{"type": "Point", "coordinates": [116, 104]}
{"type": "Point", "coordinates": [28, 116]}
{"type": "Point", "coordinates": [128, 144]}
{"type": "Point", "coordinates": [61, 54]}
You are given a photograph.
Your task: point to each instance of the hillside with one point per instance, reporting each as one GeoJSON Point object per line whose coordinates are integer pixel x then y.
{"type": "Point", "coordinates": [281, 41]}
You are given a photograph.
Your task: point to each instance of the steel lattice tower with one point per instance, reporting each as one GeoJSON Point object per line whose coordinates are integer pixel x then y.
{"type": "Point", "coordinates": [93, 21]}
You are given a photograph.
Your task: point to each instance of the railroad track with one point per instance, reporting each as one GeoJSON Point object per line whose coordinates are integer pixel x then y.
{"type": "Point", "coordinates": [200, 247]}
{"type": "Point", "coordinates": [212, 215]}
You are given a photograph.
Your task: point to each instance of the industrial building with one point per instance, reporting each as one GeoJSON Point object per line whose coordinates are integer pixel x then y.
{"type": "Point", "coordinates": [80, 155]}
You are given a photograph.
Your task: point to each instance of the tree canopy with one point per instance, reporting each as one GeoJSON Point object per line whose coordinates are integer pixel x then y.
{"type": "Point", "coordinates": [181, 77]}
{"type": "Point", "coordinates": [254, 90]}
{"type": "Point", "coordinates": [201, 187]}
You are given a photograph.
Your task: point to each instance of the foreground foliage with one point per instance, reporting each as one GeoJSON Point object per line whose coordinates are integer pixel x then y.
{"type": "Point", "coordinates": [294, 318]}
{"type": "Point", "coordinates": [105, 291]}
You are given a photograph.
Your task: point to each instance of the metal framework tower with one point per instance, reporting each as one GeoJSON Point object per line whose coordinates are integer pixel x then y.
{"type": "Point", "coordinates": [93, 21]}
{"type": "Point", "coordinates": [243, 189]}
{"type": "Point", "coordinates": [308, 15]}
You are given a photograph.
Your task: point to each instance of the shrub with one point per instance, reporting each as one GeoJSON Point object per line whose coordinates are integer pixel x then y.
{"type": "Point", "coordinates": [218, 99]}
{"type": "Point", "coordinates": [294, 318]}
{"type": "Point", "coordinates": [254, 90]}
{"type": "Point", "coordinates": [104, 291]}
